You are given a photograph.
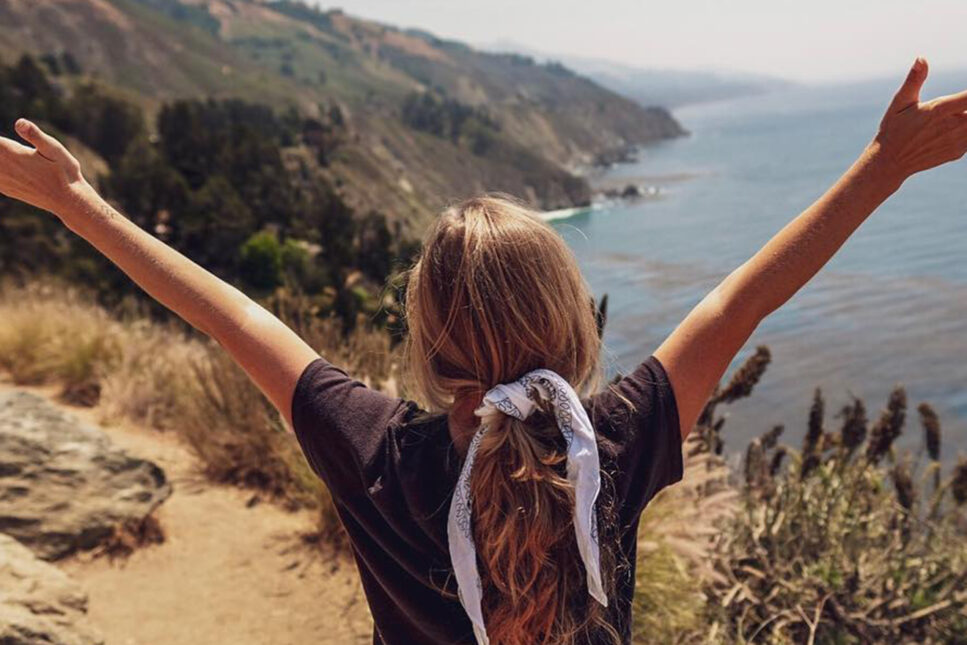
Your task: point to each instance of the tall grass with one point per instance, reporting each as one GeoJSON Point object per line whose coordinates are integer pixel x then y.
{"type": "Point", "coordinates": [42, 340]}
{"type": "Point", "coordinates": [163, 377]}
{"type": "Point", "coordinates": [675, 539]}
{"type": "Point", "coordinates": [845, 540]}
{"type": "Point", "coordinates": [679, 528]}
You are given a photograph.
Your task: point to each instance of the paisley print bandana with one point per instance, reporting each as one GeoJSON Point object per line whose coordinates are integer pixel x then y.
{"type": "Point", "coordinates": [518, 400]}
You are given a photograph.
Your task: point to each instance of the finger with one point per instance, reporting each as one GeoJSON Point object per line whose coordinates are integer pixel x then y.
{"type": "Point", "coordinates": [49, 147]}
{"type": "Point", "coordinates": [11, 147]}
{"type": "Point", "coordinates": [952, 103]}
{"type": "Point", "coordinates": [909, 92]}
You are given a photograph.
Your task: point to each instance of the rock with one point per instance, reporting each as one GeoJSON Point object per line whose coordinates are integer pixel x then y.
{"type": "Point", "coordinates": [63, 485]}
{"type": "Point", "coordinates": [626, 153]}
{"type": "Point", "coordinates": [39, 603]}
{"type": "Point", "coordinates": [631, 191]}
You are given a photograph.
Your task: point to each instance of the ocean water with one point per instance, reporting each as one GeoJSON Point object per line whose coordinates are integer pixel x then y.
{"type": "Point", "coordinates": [890, 308]}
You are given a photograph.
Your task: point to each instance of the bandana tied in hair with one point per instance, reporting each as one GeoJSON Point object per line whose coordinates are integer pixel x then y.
{"type": "Point", "coordinates": [518, 400]}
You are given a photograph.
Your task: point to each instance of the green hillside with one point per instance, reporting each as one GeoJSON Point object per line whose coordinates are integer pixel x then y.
{"type": "Point", "coordinates": [423, 121]}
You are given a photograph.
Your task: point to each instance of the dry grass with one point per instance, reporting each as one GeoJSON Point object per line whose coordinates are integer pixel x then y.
{"type": "Point", "coordinates": [150, 384]}
{"type": "Point", "coordinates": [675, 543]}
{"type": "Point", "coordinates": [42, 339]}
{"type": "Point", "coordinates": [158, 376]}
{"type": "Point", "coordinates": [128, 537]}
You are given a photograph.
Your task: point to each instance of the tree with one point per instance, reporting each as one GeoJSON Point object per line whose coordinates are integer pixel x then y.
{"type": "Point", "coordinates": [215, 224]}
{"type": "Point", "coordinates": [146, 186]}
{"type": "Point", "coordinates": [261, 261]}
{"type": "Point", "coordinates": [375, 244]}
{"type": "Point", "coordinates": [106, 124]}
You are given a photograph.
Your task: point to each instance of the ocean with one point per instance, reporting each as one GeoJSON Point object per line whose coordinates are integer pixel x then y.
{"type": "Point", "coordinates": [890, 308]}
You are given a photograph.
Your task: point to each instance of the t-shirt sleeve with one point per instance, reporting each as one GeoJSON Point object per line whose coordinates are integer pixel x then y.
{"type": "Point", "coordinates": [342, 426]}
{"type": "Point", "coordinates": [637, 418]}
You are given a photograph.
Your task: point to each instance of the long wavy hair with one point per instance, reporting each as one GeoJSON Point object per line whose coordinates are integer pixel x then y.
{"type": "Point", "coordinates": [496, 293]}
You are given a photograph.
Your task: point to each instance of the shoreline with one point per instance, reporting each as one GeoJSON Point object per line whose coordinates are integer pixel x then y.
{"type": "Point", "coordinates": [566, 213]}
{"type": "Point", "coordinates": [608, 190]}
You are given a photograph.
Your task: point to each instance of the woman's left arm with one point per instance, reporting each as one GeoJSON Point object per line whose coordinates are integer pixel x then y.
{"type": "Point", "coordinates": [46, 175]}
{"type": "Point", "coordinates": [912, 137]}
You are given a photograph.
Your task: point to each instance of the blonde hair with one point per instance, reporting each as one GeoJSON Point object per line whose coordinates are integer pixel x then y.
{"type": "Point", "coordinates": [497, 293]}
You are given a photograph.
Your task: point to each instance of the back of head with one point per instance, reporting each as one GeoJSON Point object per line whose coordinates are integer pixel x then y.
{"type": "Point", "coordinates": [497, 293]}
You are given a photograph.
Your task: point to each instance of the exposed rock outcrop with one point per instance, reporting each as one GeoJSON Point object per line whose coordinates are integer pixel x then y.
{"type": "Point", "coordinates": [38, 602]}
{"type": "Point", "coordinates": [63, 485]}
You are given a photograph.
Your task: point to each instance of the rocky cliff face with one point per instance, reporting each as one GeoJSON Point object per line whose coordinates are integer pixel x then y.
{"type": "Point", "coordinates": [63, 486]}
{"type": "Point", "coordinates": [531, 124]}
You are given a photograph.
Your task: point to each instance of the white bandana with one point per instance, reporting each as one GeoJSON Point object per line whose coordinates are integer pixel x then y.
{"type": "Point", "coordinates": [519, 399]}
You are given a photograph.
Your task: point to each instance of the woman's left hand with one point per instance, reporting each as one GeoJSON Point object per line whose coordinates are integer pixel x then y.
{"type": "Point", "coordinates": [46, 175]}
{"type": "Point", "coordinates": [916, 136]}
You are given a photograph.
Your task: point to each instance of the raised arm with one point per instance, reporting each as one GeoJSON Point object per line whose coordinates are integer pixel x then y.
{"type": "Point", "coordinates": [912, 137]}
{"type": "Point", "coordinates": [46, 175]}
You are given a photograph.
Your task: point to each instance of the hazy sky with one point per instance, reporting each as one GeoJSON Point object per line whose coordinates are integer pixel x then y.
{"type": "Point", "coordinates": [802, 40]}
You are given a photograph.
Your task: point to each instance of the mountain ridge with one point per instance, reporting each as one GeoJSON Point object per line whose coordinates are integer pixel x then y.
{"type": "Point", "coordinates": [520, 127]}
{"type": "Point", "coordinates": [671, 88]}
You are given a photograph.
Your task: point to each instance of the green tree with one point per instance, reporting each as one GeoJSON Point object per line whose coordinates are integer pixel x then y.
{"type": "Point", "coordinates": [106, 124]}
{"type": "Point", "coordinates": [149, 190]}
{"type": "Point", "coordinates": [375, 246]}
{"type": "Point", "coordinates": [261, 261]}
{"type": "Point", "coordinates": [213, 227]}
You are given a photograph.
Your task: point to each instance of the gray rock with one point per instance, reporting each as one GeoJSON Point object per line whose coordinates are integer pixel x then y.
{"type": "Point", "coordinates": [38, 602]}
{"type": "Point", "coordinates": [63, 485]}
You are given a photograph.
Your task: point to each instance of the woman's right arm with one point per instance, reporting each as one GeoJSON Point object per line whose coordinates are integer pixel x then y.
{"type": "Point", "coordinates": [46, 175]}
{"type": "Point", "coordinates": [913, 136]}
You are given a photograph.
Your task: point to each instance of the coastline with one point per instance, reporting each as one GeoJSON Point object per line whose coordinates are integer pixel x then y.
{"type": "Point", "coordinates": [565, 213]}
{"type": "Point", "coordinates": [624, 189]}
{"type": "Point", "coordinates": [610, 187]}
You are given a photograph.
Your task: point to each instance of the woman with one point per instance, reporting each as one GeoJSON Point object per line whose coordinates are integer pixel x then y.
{"type": "Point", "coordinates": [510, 516]}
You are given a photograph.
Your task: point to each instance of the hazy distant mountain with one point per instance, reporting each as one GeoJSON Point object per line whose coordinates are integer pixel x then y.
{"type": "Point", "coordinates": [666, 87]}
{"type": "Point", "coordinates": [428, 119]}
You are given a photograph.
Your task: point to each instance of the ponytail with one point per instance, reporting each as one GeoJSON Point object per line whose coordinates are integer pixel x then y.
{"type": "Point", "coordinates": [534, 583]}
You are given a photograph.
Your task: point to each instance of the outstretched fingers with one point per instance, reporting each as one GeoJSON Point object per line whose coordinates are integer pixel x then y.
{"type": "Point", "coordinates": [46, 145]}
{"type": "Point", "coordinates": [10, 147]}
{"type": "Point", "coordinates": [952, 103]}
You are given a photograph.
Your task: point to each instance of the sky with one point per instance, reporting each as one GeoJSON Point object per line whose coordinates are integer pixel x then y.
{"type": "Point", "coordinates": [805, 40]}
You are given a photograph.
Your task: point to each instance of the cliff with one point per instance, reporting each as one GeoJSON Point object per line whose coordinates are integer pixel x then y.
{"type": "Point", "coordinates": [508, 123]}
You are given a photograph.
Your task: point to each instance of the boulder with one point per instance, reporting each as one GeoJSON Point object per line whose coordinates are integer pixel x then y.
{"type": "Point", "coordinates": [63, 486]}
{"type": "Point", "coordinates": [631, 191]}
{"type": "Point", "coordinates": [38, 602]}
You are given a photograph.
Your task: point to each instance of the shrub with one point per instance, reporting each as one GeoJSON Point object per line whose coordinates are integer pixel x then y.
{"type": "Point", "coordinates": [261, 261]}
{"type": "Point", "coordinates": [848, 542]}
{"type": "Point", "coordinates": [237, 435]}
{"type": "Point", "coordinates": [49, 333]}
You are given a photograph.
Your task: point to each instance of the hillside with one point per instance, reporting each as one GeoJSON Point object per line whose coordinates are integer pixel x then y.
{"type": "Point", "coordinates": [425, 120]}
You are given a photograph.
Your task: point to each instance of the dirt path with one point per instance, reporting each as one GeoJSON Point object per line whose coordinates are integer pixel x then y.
{"type": "Point", "coordinates": [226, 573]}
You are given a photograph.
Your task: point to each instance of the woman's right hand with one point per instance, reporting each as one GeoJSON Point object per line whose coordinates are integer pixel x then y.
{"type": "Point", "coordinates": [915, 136]}
{"type": "Point", "coordinates": [46, 175]}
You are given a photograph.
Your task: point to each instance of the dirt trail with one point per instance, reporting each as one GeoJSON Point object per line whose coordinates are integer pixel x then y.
{"type": "Point", "coordinates": [226, 573]}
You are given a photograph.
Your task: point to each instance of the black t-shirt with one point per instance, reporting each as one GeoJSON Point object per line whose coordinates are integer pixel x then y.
{"type": "Point", "coordinates": [392, 470]}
